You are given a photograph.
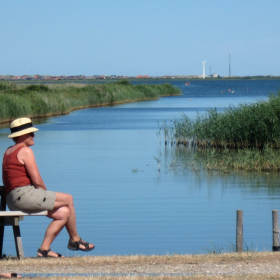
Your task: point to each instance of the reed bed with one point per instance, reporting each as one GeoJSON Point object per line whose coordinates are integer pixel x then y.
{"type": "Point", "coordinates": [35, 100]}
{"type": "Point", "coordinates": [246, 137]}
{"type": "Point", "coordinates": [255, 125]}
{"type": "Point", "coordinates": [225, 160]}
{"type": "Point", "coordinates": [267, 160]}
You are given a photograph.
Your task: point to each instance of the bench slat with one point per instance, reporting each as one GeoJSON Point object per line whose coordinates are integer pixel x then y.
{"type": "Point", "coordinates": [19, 213]}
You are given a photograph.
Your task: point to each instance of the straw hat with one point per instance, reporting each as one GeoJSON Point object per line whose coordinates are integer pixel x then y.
{"type": "Point", "coordinates": [21, 126]}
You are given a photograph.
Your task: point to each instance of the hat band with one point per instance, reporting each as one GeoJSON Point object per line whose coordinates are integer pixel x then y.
{"type": "Point", "coordinates": [21, 127]}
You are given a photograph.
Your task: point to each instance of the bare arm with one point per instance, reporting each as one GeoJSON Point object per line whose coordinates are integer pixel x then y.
{"type": "Point", "coordinates": [26, 157]}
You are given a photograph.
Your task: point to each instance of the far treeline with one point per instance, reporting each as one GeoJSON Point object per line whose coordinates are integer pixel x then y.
{"type": "Point", "coordinates": [41, 100]}
{"type": "Point", "coordinates": [246, 137]}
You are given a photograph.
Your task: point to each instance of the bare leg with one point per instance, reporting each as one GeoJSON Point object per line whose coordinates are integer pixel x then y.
{"type": "Point", "coordinates": [71, 226]}
{"type": "Point", "coordinates": [63, 199]}
{"type": "Point", "coordinates": [63, 214]}
{"type": "Point", "coordinates": [60, 217]}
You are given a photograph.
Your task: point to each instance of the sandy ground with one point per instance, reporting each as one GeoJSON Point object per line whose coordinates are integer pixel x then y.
{"type": "Point", "coordinates": [223, 266]}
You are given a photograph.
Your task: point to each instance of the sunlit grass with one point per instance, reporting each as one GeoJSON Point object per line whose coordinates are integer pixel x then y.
{"type": "Point", "coordinates": [255, 125]}
{"type": "Point", "coordinates": [246, 137]}
{"type": "Point", "coordinates": [53, 99]}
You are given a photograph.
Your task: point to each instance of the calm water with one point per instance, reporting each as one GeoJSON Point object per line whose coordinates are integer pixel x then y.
{"type": "Point", "coordinates": [105, 157]}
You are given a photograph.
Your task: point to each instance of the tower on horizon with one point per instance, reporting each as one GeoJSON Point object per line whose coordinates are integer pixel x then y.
{"type": "Point", "coordinates": [203, 65]}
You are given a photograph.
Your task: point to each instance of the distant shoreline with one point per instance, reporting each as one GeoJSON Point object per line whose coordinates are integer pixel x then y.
{"type": "Point", "coordinates": [134, 79]}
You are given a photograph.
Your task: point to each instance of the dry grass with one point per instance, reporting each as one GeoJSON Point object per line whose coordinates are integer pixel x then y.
{"type": "Point", "coordinates": [164, 277]}
{"type": "Point", "coordinates": [249, 265]}
{"type": "Point", "coordinates": [143, 260]}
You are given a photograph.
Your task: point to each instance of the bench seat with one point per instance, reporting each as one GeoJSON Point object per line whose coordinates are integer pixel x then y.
{"type": "Point", "coordinates": [19, 213]}
{"type": "Point", "coordinates": [12, 218]}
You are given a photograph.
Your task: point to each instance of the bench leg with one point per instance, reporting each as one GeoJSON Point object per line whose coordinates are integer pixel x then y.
{"type": "Point", "coordinates": [18, 242]}
{"type": "Point", "coordinates": [1, 240]}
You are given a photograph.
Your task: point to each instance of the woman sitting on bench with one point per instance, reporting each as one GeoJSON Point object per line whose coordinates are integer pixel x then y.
{"type": "Point", "coordinates": [26, 191]}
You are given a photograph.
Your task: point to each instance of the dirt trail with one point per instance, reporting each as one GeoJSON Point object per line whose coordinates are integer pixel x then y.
{"type": "Point", "coordinates": [223, 266]}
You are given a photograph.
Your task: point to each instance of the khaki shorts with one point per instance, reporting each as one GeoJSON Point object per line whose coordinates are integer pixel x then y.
{"type": "Point", "coordinates": [30, 199]}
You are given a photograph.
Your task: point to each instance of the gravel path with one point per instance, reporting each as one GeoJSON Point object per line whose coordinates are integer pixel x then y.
{"type": "Point", "coordinates": [208, 265]}
{"type": "Point", "coordinates": [211, 269]}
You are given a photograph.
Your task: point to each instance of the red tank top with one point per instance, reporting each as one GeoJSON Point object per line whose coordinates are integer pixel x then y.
{"type": "Point", "coordinates": [13, 172]}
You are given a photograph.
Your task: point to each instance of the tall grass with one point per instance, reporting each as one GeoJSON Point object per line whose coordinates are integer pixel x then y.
{"type": "Point", "coordinates": [246, 137]}
{"type": "Point", "coordinates": [255, 125]}
{"type": "Point", "coordinates": [44, 100]}
{"type": "Point", "coordinates": [266, 160]}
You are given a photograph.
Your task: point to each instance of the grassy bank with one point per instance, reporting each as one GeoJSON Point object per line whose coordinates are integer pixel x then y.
{"type": "Point", "coordinates": [37, 100]}
{"type": "Point", "coordinates": [246, 137]}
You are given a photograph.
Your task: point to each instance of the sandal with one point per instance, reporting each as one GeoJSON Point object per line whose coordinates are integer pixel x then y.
{"type": "Point", "coordinates": [46, 252]}
{"type": "Point", "coordinates": [75, 246]}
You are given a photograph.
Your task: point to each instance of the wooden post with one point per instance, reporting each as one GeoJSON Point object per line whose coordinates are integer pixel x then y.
{"type": "Point", "coordinates": [275, 231]}
{"type": "Point", "coordinates": [1, 239]}
{"type": "Point", "coordinates": [18, 242]}
{"type": "Point", "coordinates": [239, 231]}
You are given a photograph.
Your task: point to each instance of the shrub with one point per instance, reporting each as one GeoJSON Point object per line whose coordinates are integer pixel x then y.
{"type": "Point", "coordinates": [37, 88]}
{"type": "Point", "coordinates": [123, 82]}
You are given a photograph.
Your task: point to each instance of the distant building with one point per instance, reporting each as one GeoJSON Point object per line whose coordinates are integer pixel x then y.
{"type": "Point", "coordinates": [215, 75]}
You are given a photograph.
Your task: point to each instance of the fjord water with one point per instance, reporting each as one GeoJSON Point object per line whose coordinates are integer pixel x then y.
{"type": "Point", "coordinates": [109, 159]}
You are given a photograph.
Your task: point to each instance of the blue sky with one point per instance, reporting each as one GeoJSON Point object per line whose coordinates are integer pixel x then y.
{"type": "Point", "coordinates": [133, 37]}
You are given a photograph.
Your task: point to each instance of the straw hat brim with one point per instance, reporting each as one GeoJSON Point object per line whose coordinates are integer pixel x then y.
{"type": "Point", "coordinates": [23, 132]}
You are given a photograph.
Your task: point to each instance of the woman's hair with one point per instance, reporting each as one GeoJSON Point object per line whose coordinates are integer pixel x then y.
{"type": "Point", "coordinates": [15, 139]}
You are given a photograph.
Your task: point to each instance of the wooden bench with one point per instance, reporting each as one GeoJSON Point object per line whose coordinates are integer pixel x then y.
{"type": "Point", "coordinates": [12, 218]}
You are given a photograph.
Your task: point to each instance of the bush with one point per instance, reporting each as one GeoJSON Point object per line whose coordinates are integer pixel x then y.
{"type": "Point", "coordinates": [123, 82]}
{"type": "Point", "coordinates": [7, 87]}
{"type": "Point", "coordinates": [37, 88]}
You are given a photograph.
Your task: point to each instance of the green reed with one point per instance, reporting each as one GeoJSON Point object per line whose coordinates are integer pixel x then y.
{"type": "Point", "coordinates": [244, 138]}
{"type": "Point", "coordinates": [196, 159]}
{"type": "Point", "coordinates": [265, 160]}
{"type": "Point", "coordinates": [38, 100]}
{"type": "Point", "coordinates": [255, 125]}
